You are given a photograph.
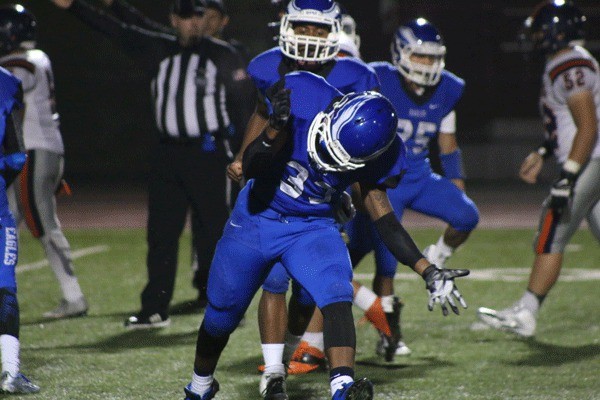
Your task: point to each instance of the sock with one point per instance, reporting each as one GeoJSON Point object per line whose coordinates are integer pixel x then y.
{"type": "Point", "coordinates": [291, 342]}
{"type": "Point", "coordinates": [364, 298]}
{"type": "Point", "coordinates": [9, 347]}
{"type": "Point", "coordinates": [201, 384]}
{"type": "Point", "coordinates": [273, 355]}
{"type": "Point", "coordinates": [387, 303]}
{"type": "Point", "coordinates": [314, 339]}
{"type": "Point", "coordinates": [443, 249]}
{"type": "Point", "coordinates": [340, 376]}
{"type": "Point", "coordinates": [531, 301]}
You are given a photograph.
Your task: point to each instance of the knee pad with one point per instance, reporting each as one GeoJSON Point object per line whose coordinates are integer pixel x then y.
{"type": "Point", "coordinates": [9, 312]}
{"type": "Point", "coordinates": [338, 325]}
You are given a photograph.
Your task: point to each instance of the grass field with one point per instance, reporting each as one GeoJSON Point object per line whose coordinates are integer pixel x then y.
{"type": "Point", "coordinates": [95, 358]}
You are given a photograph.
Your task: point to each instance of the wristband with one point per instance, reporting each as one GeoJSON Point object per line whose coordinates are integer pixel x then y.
{"type": "Point", "coordinates": [452, 165]}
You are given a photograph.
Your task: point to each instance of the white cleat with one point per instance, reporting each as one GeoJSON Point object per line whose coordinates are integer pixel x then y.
{"type": "Point", "coordinates": [516, 319]}
{"type": "Point", "coordinates": [401, 349]}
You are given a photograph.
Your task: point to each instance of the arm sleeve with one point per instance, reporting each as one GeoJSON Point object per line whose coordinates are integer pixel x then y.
{"type": "Point", "coordinates": [130, 15]}
{"type": "Point", "coordinates": [258, 157]}
{"type": "Point", "coordinates": [397, 240]}
{"type": "Point", "coordinates": [131, 36]}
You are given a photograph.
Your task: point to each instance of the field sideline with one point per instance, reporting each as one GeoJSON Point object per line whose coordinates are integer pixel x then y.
{"type": "Point", "coordinates": [95, 358]}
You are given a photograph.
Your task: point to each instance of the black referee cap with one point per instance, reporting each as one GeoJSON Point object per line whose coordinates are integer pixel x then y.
{"type": "Point", "coordinates": [188, 8]}
{"type": "Point", "coordinates": [218, 5]}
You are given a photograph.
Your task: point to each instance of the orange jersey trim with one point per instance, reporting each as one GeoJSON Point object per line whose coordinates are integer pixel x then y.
{"type": "Point", "coordinates": [560, 68]}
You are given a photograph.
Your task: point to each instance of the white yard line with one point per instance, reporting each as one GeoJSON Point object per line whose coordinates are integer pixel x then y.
{"type": "Point", "coordinates": [509, 275]}
{"type": "Point", "coordinates": [86, 251]}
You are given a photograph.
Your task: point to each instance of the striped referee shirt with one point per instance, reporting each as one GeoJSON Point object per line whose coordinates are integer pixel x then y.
{"type": "Point", "coordinates": [195, 89]}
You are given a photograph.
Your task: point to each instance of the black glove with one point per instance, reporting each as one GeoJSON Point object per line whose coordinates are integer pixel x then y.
{"type": "Point", "coordinates": [281, 109]}
{"type": "Point", "coordinates": [561, 192]}
{"type": "Point", "coordinates": [439, 282]}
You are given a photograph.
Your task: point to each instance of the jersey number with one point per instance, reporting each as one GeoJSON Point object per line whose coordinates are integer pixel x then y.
{"type": "Point", "coordinates": [293, 186]}
{"type": "Point", "coordinates": [425, 131]}
{"type": "Point", "coordinates": [579, 79]}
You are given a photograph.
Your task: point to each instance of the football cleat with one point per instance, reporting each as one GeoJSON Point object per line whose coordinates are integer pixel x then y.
{"type": "Point", "coordinates": [376, 316]}
{"type": "Point", "coordinates": [516, 319]}
{"type": "Point", "coordinates": [18, 384]}
{"type": "Point", "coordinates": [306, 359]}
{"type": "Point", "coordinates": [272, 387]}
{"type": "Point", "coordinates": [361, 389]}
{"type": "Point", "coordinates": [140, 321]}
{"type": "Point", "coordinates": [401, 348]}
{"type": "Point", "coordinates": [393, 319]}
{"type": "Point", "coordinates": [68, 309]}
{"type": "Point", "coordinates": [189, 395]}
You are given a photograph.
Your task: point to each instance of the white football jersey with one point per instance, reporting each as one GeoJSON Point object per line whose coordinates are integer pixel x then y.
{"type": "Point", "coordinates": [41, 125]}
{"type": "Point", "coordinates": [565, 75]}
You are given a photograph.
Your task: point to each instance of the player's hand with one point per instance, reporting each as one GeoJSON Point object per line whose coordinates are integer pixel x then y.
{"type": "Point", "coordinates": [62, 3]}
{"type": "Point", "coordinates": [531, 167]}
{"type": "Point", "coordinates": [562, 192]}
{"type": "Point", "coordinates": [281, 109]}
{"type": "Point", "coordinates": [439, 282]}
{"type": "Point", "coordinates": [344, 209]}
{"type": "Point", "coordinates": [234, 171]}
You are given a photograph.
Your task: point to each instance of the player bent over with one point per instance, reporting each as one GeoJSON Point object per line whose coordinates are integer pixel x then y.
{"type": "Point", "coordinates": [318, 143]}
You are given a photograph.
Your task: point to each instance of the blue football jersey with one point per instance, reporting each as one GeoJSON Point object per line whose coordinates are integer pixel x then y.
{"type": "Point", "coordinates": [345, 74]}
{"type": "Point", "coordinates": [9, 89]}
{"type": "Point", "coordinates": [296, 186]}
{"type": "Point", "coordinates": [419, 121]}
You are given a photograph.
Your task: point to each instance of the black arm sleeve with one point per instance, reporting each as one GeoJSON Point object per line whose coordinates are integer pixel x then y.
{"type": "Point", "coordinates": [397, 240]}
{"type": "Point", "coordinates": [258, 157]}
{"type": "Point", "coordinates": [132, 37]}
{"type": "Point", "coordinates": [130, 15]}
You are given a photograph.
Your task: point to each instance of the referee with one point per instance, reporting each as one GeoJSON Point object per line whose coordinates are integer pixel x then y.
{"type": "Point", "coordinates": [198, 83]}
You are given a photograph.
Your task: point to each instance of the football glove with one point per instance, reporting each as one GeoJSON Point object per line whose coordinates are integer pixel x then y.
{"type": "Point", "coordinates": [281, 109]}
{"type": "Point", "coordinates": [344, 209]}
{"type": "Point", "coordinates": [439, 282]}
{"type": "Point", "coordinates": [562, 192]}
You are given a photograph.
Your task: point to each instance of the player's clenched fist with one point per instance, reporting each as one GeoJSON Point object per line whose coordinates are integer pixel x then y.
{"type": "Point", "coordinates": [234, 171]}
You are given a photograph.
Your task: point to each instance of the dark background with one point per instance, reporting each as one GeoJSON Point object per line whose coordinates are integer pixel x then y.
{"type": "Point", "coordinates": [104, 99]}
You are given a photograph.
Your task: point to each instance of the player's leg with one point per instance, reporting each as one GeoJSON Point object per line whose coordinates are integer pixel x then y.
{"type": "Point", "coordinates": [440, 198]}
{"type": "Point", "coordinates": [11, 380]}
{"type": "Point", "coordinates": [37, 188]}
{"type": "Point", "coordinates": [205, 184]}
{"type": "Point", "coordinates": [554, 233]}
{"type": "Point", "coordinates": [167, 209]}
{"type": "Point", "coordinates": [328, 281]}
{"type": "Point", "coordinates": [593, 219]}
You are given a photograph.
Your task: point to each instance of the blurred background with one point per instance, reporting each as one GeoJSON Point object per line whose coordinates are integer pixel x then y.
{"type": "Point", "coordinates": [104, 99]}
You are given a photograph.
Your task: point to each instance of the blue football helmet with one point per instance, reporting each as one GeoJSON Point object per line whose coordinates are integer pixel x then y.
{"type": "Point", "coordinates": [353, 130]}
{"type": "Point", "coordinates": [419, 37]}
{"type": "Point", "coordinates": [17, 28]}
{"type": "Point", "coordinates": [310, 48]}
{"type": "Point", "coordinates": [554, 25]}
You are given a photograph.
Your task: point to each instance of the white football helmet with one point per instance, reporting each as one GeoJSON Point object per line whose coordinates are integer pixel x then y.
{"type": "Point", "coordinates": [310, 48]}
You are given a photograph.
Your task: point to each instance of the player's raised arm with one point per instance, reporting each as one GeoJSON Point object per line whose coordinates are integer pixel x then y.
{"type": "Point", "coordinates": [438, 281]}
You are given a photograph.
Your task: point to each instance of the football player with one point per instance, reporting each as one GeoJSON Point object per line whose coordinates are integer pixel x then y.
{"type": "Point", "coordinates": [12, 159]}
{"type": "Point", "coordinates": [570, 108]}
{"type": "Point", "coordinates": [33, 197]}
{"type": "Point", "coordinates": [425, 96]}
{"type": "Point", "coordinates": [316, 143]}
{"type": "Point", "coordinates": [308, 40]}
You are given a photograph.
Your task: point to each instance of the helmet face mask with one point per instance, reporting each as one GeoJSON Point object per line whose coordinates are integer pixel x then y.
{"type": "Point", "coordinates": [303, 46]}
{"type": "Point", "coordinates": [414, 41]}
{"type": "Point", "coordinates": [17, 28]}
{"type": "Point", "coordinates": [357, 128]}
{"type": "Point", "coordinates": [554, 25]}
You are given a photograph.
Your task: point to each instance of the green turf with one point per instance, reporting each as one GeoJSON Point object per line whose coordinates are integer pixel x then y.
{"type": "Point", "coordinates": [95, 358]}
